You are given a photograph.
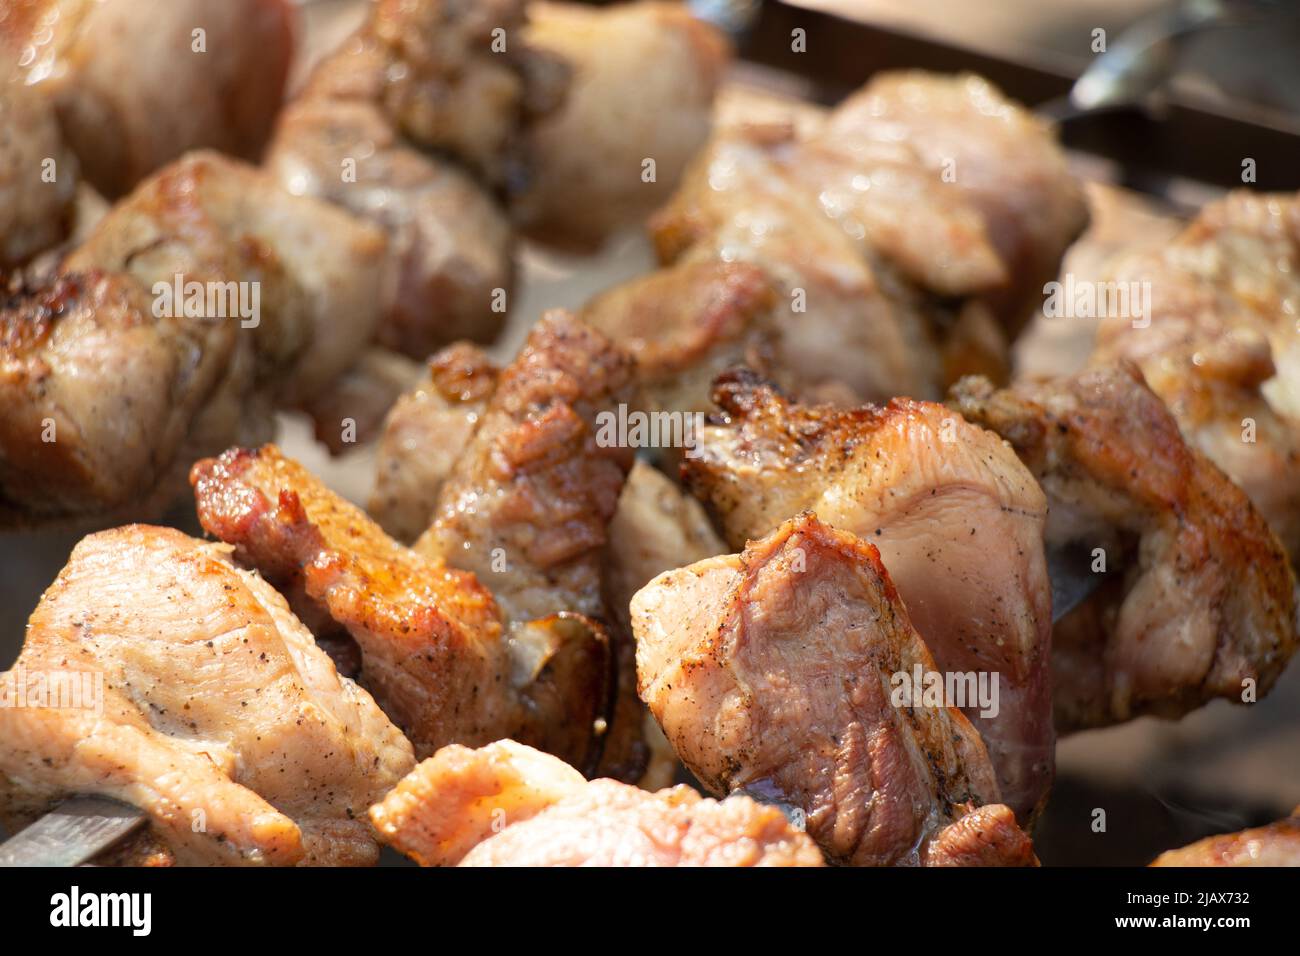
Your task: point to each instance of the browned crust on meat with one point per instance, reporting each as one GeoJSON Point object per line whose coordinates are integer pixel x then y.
{"type": "Point", "coordinates": [1106, 432]}
{"type": "Point", "coordinates": [434, 650]}
{"type": "Point", "coordinates": [1277, 844]}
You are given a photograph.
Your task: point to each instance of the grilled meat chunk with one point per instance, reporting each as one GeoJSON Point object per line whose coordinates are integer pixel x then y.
{"type": "Point", "coordinates": [776, 671]}
{"type": "Point", "coordinates": [434, 650]}
{"type": "Point", "coordinates": [425, 433]}
{"type": "Point", "coordinates": [838, 317]}
{"type": "Point", "coordinates": [35, 211]}
{"type": "Point", "coordinates": [204, 702]}
{"type": "Point", "coordinates": [1202, 602]}
{"type": "Point", "coordinates": [413, 123]}
{"type": "Point", "coordinates": [901, 252]}
{"type": "Point", "coordinates": [505, 471]}
{"type": "Point", "coordinates": [685, 325]}
{"type": "Point", "coordinates": [958, 521]}
{"type": "Point", "coordinates": [644, 76]}
{"type": "Point", "coordinates": [988, 155]}
{"type": "Point", "coordinates": [135, 84]}
{"type": "Point", "coordinates": [527, 503]}
{"type": "Point", "coordinates": [112, 383]}
{"type": "Point", "coordinates": [508, 805]}
{"type": "Point", "coordinates": [1221, 343]}
{"type": "Point", "coordinates": [1277, 844]}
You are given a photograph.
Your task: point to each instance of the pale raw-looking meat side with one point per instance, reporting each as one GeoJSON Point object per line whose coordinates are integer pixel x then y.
{"type": "Point", "coordinates": [775, 671]}
{"type": "Point", "coordinates": [219, 716]}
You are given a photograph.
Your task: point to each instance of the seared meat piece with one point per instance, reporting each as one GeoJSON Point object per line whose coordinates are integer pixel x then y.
{"type": "Point", "coordinates": [425, 433]}
{"type": "Point", "coordinates": [889, 227]}
{"type": "Point", "coordinates": [203, 701]}
{"type": "Point", "coordinates": [1277, 844]}
{"type": "Point", "coordinates": [838, 317]}
{"type": "Point", "coordinates": [1003, 162]}
{"type": "Point", "coordinates": [958, 521]}
{"type": "Point", "coordinates": [986, 836]}
{"type": "Point", "coordinates": [507, 468]}
{"type": "Point", "coordinates": [1202, 597]}
{"type": "Point", "coordinates": [508, 805]}
{"type": "Point", "coordinates": [1222, 343]}
{"type": "Point", "coordinates": [433, 648]}
{"type": "Point", "coordinates": [413, 123]}
{"type": "Point", "coordinates": [775, 671]}
{"type": "Point", "coordinates": [450, 242]}
{"type": "Point", "coordinates": [889, 199]}
{"type": "Point", "coordinates": [657, 528]}
{"type": "Point", "coordinates": [34, 213]}
{"type": "Point", "coordinates": [131, 89]}
{"type": "Point", "coordinates": [644, 76]}
{"type": "Point", "coordinates": [686, 324]}
{"type": "Point", "coordinates": [527, 504]}
{"type": "Point", "coordinates": [110, 385]}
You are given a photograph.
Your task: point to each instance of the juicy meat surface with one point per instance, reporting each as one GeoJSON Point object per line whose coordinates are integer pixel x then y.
{"type": "Point", "coordinates": [35, 213]}
{"type": "Point", "coordinates": [503, 473]}
{"type": "Point", "coordinates": [425, 433]}
{"type": "Point", "coordinates": [414, 123]}
{"type": "Point", "coordinates": [1221, 344]}
{"type": "Point", "coordinates": [1277, 844]}
{"type": "Point", "coordinates": [434, 650]}
{"type": "Point", "coordinates": [644, 77]}
{"type": "Point", "coordinates": [508, 805]}
{"type": "Point", "coordinates": [1202, 597]}
{"type": "Point", "coordinates": [1007, 170]}
{"type": "Point", "coordinates": [527, 504]}
{"type": "Point", "coordinates": [107, 396]}
{"type": "Point", "coordinates": [129, 88]}
{"type": "Point", "coordinates": [838, 317]}
{"type": "Point", "coordinates": [901, 251]}
{"type": "Point", "coordinates": [958, 521]}
{"type": "Point", "coordinates": [686, 324]}
{"type": "Point", "coordinates": [775, 670]}
{"type": "Point", "coordinates": [205, 703]}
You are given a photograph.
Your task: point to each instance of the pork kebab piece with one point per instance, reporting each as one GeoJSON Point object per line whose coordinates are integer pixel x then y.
{"type": "Point", "coordinates": [413, 123]}
{"type": "Point", "coordinates": [776, 672]}
{"type": "Point", "coordinates": [490, 626]}
{"type": "Point", "coordinates": [443, 120]}
{"type": "Point", "coordinates": [654, 528]}
{"type": "Point", "coordinates": [434, 647]}
{"type": "Point", "coordinates": [958, 521]}
{"type": "Point", "coordinates": [157, 672]}
{"type": "Point", "coordinates": [134, 84]}
{"type": "Point", "coordinates": [1277, 844]}
{"type": "Point", "coordinates": [509, 805]}
{"type": "Point", "coordinates": [199, 303]}
{"type": "Point", "coordinates": [34, 214]}
{"type": "Point", "coordinates": [897, 245]}
{"type": "Point", "coordinates": [1220, 343]}
{"type": "Point", "coordinates": [1199, 600]}
{"type": "Point", "coordinates": [642, 81]}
